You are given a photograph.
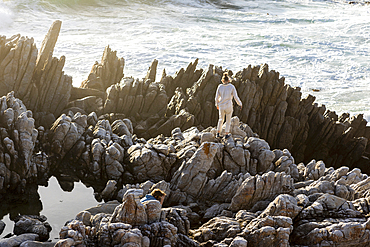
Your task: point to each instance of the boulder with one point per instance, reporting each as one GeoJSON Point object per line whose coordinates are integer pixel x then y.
{"type": "Point", "coordinates": [268, 231]}
{"type": "Point", "coordinates": [30, 243]}
{"type": "Point", "coordinates": [191, 176]}
{"type": "Point", "coordinates": [33, 224]}
{"type": "Point", "coordinates": [131, 211]}
{"type": "Point", "coordinates": [256, 188]}
{"type": "Point", "coordinates": [217, 229]}
{"type": "Point", "coordinates": [18, 240]}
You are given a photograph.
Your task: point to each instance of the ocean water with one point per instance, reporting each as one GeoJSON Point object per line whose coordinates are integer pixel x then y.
{"type": "Point", "coordinates": [319, 45]}
{"type": "Point", "coordinates": [59, 206]}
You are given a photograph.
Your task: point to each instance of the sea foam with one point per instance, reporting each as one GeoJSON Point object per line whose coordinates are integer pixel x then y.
{"type": "Point", "coordinates": [6, 16]}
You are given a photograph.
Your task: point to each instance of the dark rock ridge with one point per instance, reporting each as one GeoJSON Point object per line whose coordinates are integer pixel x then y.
{"type": "Point", "coordinates": [289, 175]}
{"type": "Point", "coordinates": [272, 108]}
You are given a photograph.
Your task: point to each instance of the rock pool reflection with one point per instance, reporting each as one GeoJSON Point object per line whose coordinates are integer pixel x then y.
{"type": "Point", "coordinates": [60, 206]}
{"type": "Point", "coordinates": [57, 205]}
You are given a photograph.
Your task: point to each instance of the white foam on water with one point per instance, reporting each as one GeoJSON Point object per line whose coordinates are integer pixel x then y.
{"type": "Point", "coordinates": [317, 44]}
{"type": "Point", "coordinates": [6, 17]}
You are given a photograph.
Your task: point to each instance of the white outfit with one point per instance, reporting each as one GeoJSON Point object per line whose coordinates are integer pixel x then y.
{"type": "Point", "coordinates": [223, 100]}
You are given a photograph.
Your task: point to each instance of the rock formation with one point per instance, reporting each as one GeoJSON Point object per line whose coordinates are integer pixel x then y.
{"type": "Point", "coordinates": [35, 76]}
{"type": "Point", "coordinates": [292, 173]}
{"type": "Point", "coordinates": [106, 73]}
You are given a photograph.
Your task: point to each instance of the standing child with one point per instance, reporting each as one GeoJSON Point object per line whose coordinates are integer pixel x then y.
{"type": "Point", "coordinates": [223, 100]}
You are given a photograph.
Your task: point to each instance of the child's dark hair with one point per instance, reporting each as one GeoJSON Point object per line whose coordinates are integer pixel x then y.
{"type": "Point", "coordinates": [225, 77]}
{"type": "Point", "coordinates": [157, 193]}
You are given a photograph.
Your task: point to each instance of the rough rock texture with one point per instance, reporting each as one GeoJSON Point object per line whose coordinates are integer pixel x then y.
{"type": "Point", "coordinates": [30, 224]}
{"type": "Point", "coordinates": [131, 224]}
{"type": "Point", "coordinates": [18, 240]}
{"type": "Point", "coordinates": [272, 109]}
{"type": "Point", "coordinates": [106, 73]}
{"type": "Point", "coordinates": [20, 161]}
{"type": "Point", "coordinates": [126, 137]}
{"type": "Point", "coordinates": [269, 231]}
{"type": "Point", "coordinates": [30, 243]}
{"type": "Point", "coordinates": [35, 76]}
{"type": "Point", "coordinates": [217, 229]}
{"type": "Point", "coordinates": [258, 188]}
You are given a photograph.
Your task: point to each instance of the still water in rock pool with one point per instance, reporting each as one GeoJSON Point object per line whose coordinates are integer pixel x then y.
{"type": "Point", "coordinates": [59, 206]}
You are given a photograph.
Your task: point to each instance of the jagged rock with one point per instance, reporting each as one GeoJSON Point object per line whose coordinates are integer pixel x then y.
{"type": "Point", "coordinates": [191, 176]}
{"type": "Point", "coordinates": [329, 206]}
{"type": "Point", "coordinates": [85, 217]}
{"type": "Point", "coordinates": [185, 241]}
{"type": "Point", "coordinates": [153, 210]}
{"type": "Point", "coordinates": [37, 244]}
{"type": "Point", "coordinates": [106, 208]}
{"type": "Point", "coordinates": [268, 231]}
{"type": "Point", "coordinates": [257, 188]}
{"type": "Point", "coordinates": [239, 242]}
{"type": "Point", "coordinates": [239, 131]}
{"type": "Point", "coordinates": [284, 162]}
{"type": "Point", "coordinates": [20, 164]}
{"type": "Point", "coordinates": [282, 205]}
{"type": "Point", "coordinates": [86, 104]}
{"type": "Point", "coordinates": [160, 233]}
{"type": "Point", "coordinates": [176, 116]}
{"type": "Point", "coordinates": [48, 44]}
{"type": "Point", "coordinates": [146, 187]}
{"type": "Point", "coordinates": [215, 210]}
{"type": "Point", "coordinates": [345, 232]}
{"type": "Point", "coordinates": [109, 189]}
{"type": "Point", "coordinates": [131, 211]}
{"type": "Point", "coordinates": [66, 131]}
{"type": "Point", "coordinates": [217, 229]}
{"type": "Point", "coordinates": [36, 77]}
{"type": "Point", "coordinates": [339, 182]}
{"type": "Point", "coordinates": [244, 217]}
{"type": "Point", "coordinates": [106, 73]}
{"type": "Point", "coordinates": [178, 218]}
{"type": "Point", "coordinates": [17, 66]}
{"type": "Point", "coordinates": [32, 224]}
{"type": "Point", "coordinates": [74, 233]}
{"type": "Point", "coordinates": [119, 228]}
{"type": "Point", "coordinates": [260, 150]}
{"type": "Point", "coordinates": [18, 240]}
{"type": "Point", "coordinates": [223, 188]}
{"type": "Point", "coordinates": [361, 189]}
{"type": "Point", "coordinates": [150, 161]}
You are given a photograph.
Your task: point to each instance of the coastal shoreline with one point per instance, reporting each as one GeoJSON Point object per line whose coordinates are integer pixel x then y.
{"type": "Point", "coordinates": [113, 128]}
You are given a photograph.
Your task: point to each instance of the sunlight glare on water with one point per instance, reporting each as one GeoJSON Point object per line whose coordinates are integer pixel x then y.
{"type": "Point", "coordinates": [315, 44]}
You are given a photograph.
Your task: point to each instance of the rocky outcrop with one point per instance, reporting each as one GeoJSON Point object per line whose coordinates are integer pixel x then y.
{"type": "Point", "coordinates": [259, 188]}
{"type": "Point", "coordinates": [18, 240]}
{"type": "Point", "coordinates": [272, 108]}
{"type": "Point", "coordinates": [20, 160]}
{"type": "Point", "coordinates": [126, 137]}
{"type": "Point", "coordinates": [35, 76]}
{"type": "Point", "coordinates": [106, 73]}
{"type": "Point", "coordinates": [32, 224]}
{"type": "Point", "coordinates": [132, 224]}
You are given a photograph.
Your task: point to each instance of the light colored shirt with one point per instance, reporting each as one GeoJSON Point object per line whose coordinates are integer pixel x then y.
{"type": "Point", "coordinates": [225, 94]}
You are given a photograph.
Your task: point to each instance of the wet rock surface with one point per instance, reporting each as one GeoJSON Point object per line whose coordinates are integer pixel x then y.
{"type": "Point", "coordinates": [32, 224]}
{"type": "Point", "coordinates": [291, 174]}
